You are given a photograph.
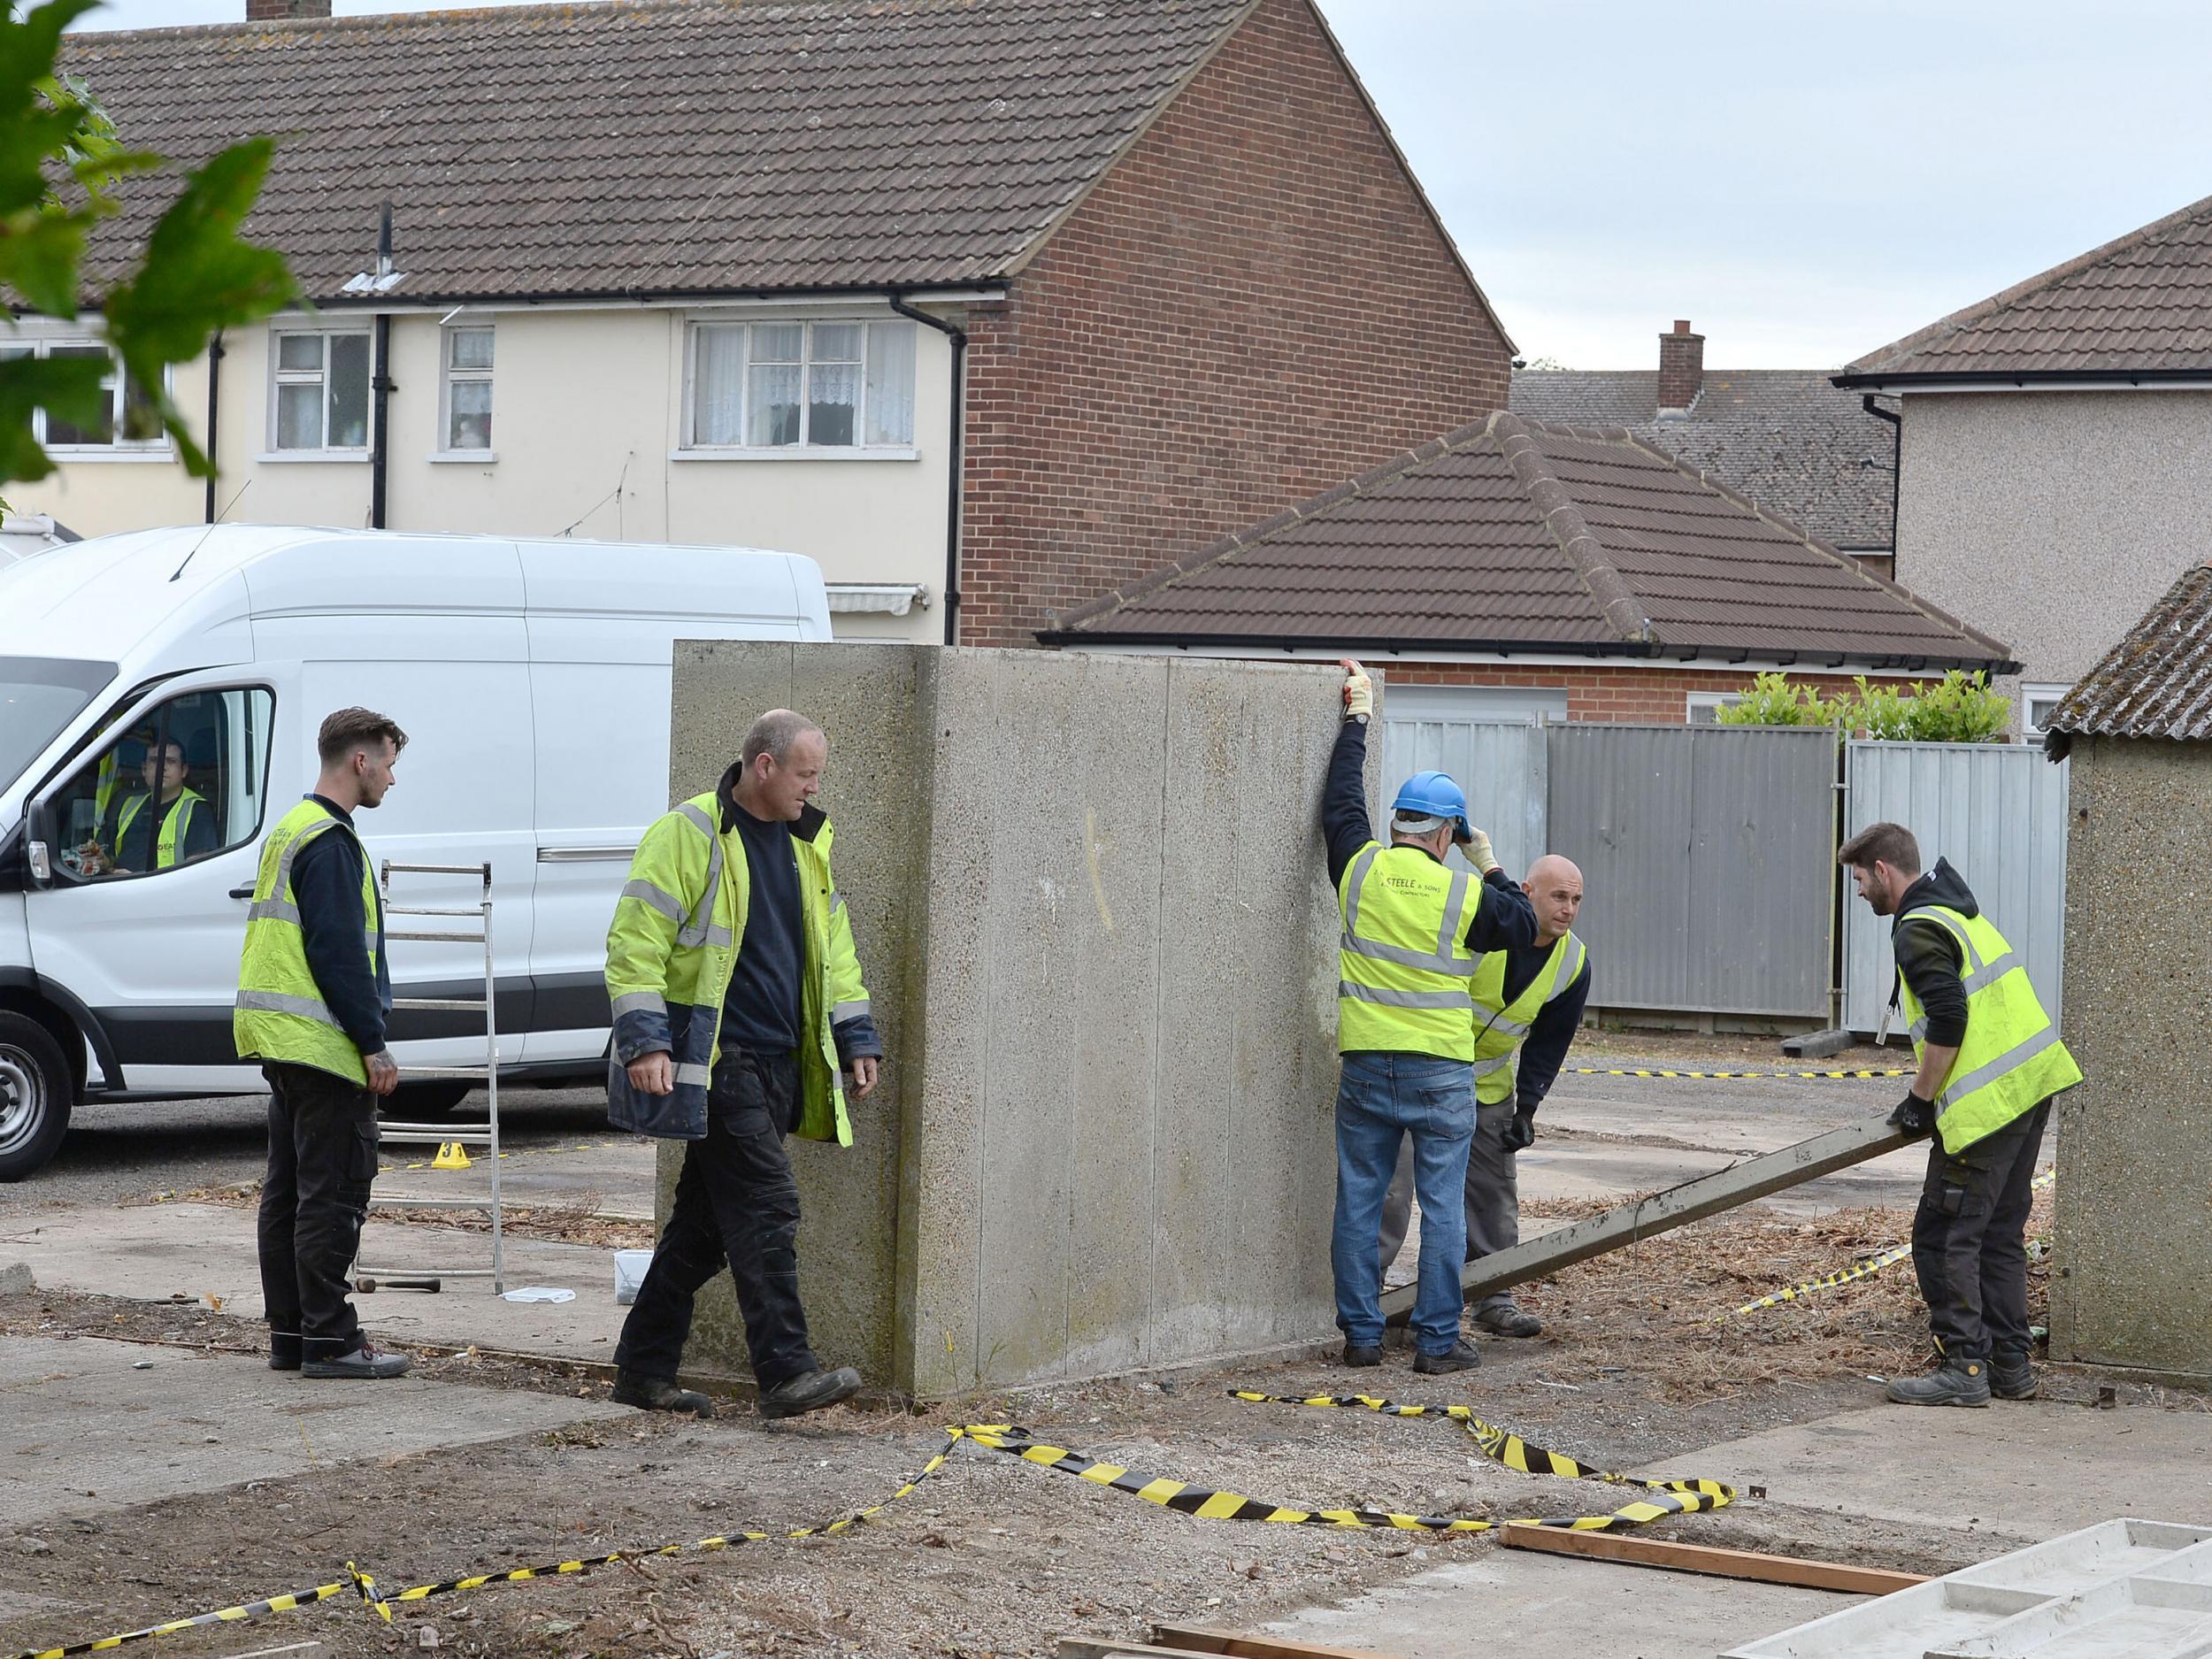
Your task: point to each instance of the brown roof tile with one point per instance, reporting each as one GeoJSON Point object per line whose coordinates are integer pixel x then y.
{"type": "Point", "coordinates": [2156, 682]}
{"type": "Point", "coordinates": [661, 145]}
{"type": "Point", "coordinates": [2140, 304]}
{"type": "Point", "coordinates": [1522, 536]}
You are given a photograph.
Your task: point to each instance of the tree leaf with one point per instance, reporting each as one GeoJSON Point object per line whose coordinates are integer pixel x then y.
{"type": "Point", "coordinates": [198, 274]}
{"type": "Point", "coordinates": [69, 387]}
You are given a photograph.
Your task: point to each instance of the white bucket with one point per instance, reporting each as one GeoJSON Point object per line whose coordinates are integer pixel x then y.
{"type": "Point", "coordinates": [629, 1273]}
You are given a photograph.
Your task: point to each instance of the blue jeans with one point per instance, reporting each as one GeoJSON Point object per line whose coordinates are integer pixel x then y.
{"type": "Point", "coordinates": [1381, 1098]}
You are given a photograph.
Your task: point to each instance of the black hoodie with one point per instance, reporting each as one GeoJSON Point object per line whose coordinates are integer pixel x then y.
{"type": "Point", "coordinates": [1928, 955]}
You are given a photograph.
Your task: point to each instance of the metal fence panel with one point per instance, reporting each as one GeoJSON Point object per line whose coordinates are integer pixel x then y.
{"type": "Point", "coordinates": [1998, 812]}
{"type": "Point", "coordinates": [1705, 855]}
{"type": "Point", "coordinates": [1500, 764]}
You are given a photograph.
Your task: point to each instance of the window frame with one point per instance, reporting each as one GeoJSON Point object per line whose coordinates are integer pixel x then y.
{"type": "Point", "coordinates": [448, 375]}
{"type": "Point", "coordinates": [1715, 700]}
{"type": "Point", "coordinates": [279, 376]}
{"type": "Point", "coordinates": [2034, 692]}
{"type": "Point", "coordinates": [118, 448]}
{"type": "Point", "coordinates": [695, 331]}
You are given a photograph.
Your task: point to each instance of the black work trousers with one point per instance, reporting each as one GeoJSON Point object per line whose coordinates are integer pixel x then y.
{"type": "Point", "coordinates": [322, 1157]}
{"type": "Point", "coordinates": [1969, 1240]}
{"type": "Point", "coordinates": [736, 1201]}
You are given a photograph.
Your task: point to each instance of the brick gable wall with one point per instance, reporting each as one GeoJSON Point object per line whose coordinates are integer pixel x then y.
{"type": "Point", "coordinates": [1252, 306]}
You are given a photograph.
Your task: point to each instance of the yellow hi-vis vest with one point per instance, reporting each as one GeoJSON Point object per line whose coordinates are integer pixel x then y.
{"type": "Point", "coordinates": [279, 1013]}
{"type": "Point", "coordinates": [1500, 1027]}
{"type": "Point", "coordinates": [1403, 968]}
{"type": "Point", "coordinates": [2012, 1059]}
{"type": "Point", "coordinates": [176, 820]}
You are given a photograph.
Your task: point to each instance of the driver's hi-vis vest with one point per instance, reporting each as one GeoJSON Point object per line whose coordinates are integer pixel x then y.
{"type": "Point", "coordinates": [2012, 1059]}
{"type": "Point", "coordinates": [176, 820]}
{"type": "Point", "coordinates": [1501, 1027]}
{"type": "Point", "coordinates": [1403, 968]}
{"type": "Point", "coordinates": [279, 1013]}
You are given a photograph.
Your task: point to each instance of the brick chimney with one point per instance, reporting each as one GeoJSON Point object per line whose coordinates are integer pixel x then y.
{"type": "Point", "coordinates": [285, 10]}
{"type": "Point", "coordinates": [1681, 367]}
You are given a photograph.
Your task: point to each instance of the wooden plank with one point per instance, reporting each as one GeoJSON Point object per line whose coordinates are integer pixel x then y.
{"type": "Point", "coordinates": [1238, 1645]}
{"type": "Point", "coordinates": [1095, 1647]}
{"type": "Point", "coordinates": [1727, 1563]}
{"type": "Point", "coordinates": [1678, 1206]}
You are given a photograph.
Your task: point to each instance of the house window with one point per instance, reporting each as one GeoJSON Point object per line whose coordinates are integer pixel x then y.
{"type": "Point", "coordinates": [802, 386]}
{"type": "Point", "coordinates": [467, 422]}
{"type": "Point", "coordinates": [128, 405]}
{"type": "Point", "coordinates": [1703, 705]}
{"type": "Point", "coordinates": [322, 390]}
{"type": "Point", "coordinates": [2037, 705]}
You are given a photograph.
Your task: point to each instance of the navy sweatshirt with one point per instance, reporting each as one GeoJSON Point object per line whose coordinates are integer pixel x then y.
{"type": "Point", "coordinates": [1928, 955]}
{"type": "Point", "coordinates": [760, 1011]}
{"type": "Point", "coordinates": [326, 880]}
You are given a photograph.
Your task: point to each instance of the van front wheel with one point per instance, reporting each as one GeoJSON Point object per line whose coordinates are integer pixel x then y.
{"type": "Point", "coordinates": [35, 1096]}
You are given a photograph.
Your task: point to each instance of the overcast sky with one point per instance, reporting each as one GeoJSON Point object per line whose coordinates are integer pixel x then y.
{"type": "Point", "coordinates": [1804, 179]}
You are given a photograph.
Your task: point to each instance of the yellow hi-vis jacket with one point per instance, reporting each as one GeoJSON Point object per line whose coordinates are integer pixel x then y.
{"type": "Point", "coordinates": [1501, 1027]}
{"type": "Point", "coordinates": [176, 820]}
{"type": "Point", "coordinates": [279, 1013]}
{"type": "Point", "coordinates": [670, 952]}
{"type": "Point", "coordinates": [2012, 1059]}
{"type": "Point", "coordinates": [1403, 967]}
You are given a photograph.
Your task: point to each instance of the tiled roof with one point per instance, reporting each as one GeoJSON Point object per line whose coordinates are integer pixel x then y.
{"type": "Point", "coordinates": [2157, 682]}
{"type": "Point", "coordinates": [1512, 535]}
{"type": "Point", "coordinates": [2141, 305]}
{"type": "Point", "coordinates": [1788, 438]}
{"type": "Point", "coordinates": [651, 146]}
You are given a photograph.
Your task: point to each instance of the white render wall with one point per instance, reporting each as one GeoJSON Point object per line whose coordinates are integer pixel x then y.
{"type": "Point", "coordinates": [587, 415]}
{"type": "Point", "coordinates": [2054, 520]}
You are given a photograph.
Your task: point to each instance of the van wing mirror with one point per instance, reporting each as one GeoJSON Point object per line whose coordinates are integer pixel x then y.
{"type": "Point", "coordinates": [39, 843]}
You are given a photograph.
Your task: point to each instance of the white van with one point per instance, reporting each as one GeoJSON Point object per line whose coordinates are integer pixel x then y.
{"type": "Point", "coordinates": [532, 678]}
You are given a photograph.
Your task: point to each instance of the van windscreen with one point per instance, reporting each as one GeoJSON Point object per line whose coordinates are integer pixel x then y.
{"type": "Point", "coordinates": [38, 696]}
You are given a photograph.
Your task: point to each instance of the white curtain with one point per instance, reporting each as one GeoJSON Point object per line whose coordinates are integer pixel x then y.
{"type": "Point", "coordinates": [717, 385]}
{"type": "Point", "coordinates": [890, 384]}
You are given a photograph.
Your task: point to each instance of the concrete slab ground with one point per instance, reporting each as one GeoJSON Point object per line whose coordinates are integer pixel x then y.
{"type": "Point", "coordinates": [203, 1422]}
{"type": "Point", "coordinates": [154, 1252]}
{"type": "Point", "coordinates": [1544, 1607]}
{"type": "Point", "coordinates": [2024, 1472]}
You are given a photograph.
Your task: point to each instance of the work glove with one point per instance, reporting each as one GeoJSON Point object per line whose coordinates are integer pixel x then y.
{"type": "Point", "coordinates": [1359, 691]}
{"type": "Point", "coordinates": [1476, 846]}
{"type": "Point", "coordinates": [1521, 1131]}
{"type": "Point", "coordinates": [1917, 1117]}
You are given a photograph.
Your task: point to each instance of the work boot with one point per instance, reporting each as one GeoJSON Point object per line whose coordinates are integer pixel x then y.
{"type": "Point", "coordinates": [2012, 1378]}
{"type": "Point", "coordinates": [657, 1394]}
{"type": "Point", "coordinates": [364, 1361]}
{"type": "Point", "coordinates": [1463, 1356]}
{"type": "Point", "coordinates": [1957, 1382]}
{"type": "Point", "coordinates": [1507, 1318]}
{"type": "Point", "coordinates": [1359, 1354]}
{"type": "Point", "coordinates": [285, 1350]}
{"type": "Point", "coordinates": [809, 1392]}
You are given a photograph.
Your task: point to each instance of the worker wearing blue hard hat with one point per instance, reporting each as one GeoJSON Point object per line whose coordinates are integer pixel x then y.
{"type": "Point", "coordinates": [1413, 930]}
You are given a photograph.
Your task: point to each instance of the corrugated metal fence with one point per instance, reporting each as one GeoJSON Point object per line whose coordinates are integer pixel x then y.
{"type": "Point", "coordinates": [1998, 812]}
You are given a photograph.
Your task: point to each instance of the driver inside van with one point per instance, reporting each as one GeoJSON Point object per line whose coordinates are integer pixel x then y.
{"type": "Point", "coordinates": [141, 836]}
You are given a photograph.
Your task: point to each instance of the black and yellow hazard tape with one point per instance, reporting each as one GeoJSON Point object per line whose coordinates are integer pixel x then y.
{"type": "Point", "coordinates": [1671, 1497]}
{"type": "Point", "coordinates": [356, 1582]}
{"type": "Point", "coordinates": [1616, 1070]}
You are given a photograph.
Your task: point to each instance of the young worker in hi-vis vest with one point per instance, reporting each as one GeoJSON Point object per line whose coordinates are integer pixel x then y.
{"type": "Point", "coordinates": [1414, 931]}
{"type": "Point", "coordinates": [737, 998]}
{"type": "Point", "coordinates": [1990, 1061]}
{"type": "Point", "coordinates": [1528, 1005]}
{"type": "Point", "coordinates": [313, 990]}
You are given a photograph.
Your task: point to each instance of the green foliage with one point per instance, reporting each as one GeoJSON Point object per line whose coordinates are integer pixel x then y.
{"type": "Point", "coordinates": [62, 166]}
{"type": "Point", "coordinates": [1959, 708]}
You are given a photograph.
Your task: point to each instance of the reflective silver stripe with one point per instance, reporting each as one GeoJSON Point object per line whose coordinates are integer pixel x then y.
{"type": "Point", "coordinates": [700, 930]}
{"type": "Point", "coordinates": [1353, 876]}
{"type": "Point", "coordinates": [1991, 971]}
{"type": "Point", "coordinates": [1502, 1026]}
{"type": "Point", "coordinates": [1572, 971]}
{"type": "Point", "coordinates": [640, 1003]}
{"type": "Point", "coordinates": [1455, 907]}
{"type": "Point", "coordinates": [848, 1010]}
{"type": "Point", "coordinates": [1916, 1030]}
{"type": "Point", "coordinates": [278, 1003]}
{"type": "Point", "coordinates": [1457, 1000]}
{"type": "Point", "coordinates": [1459, 967]}
{"type": "Point", "coordinates": [274, 911]}
{"type": "Point", "coordinates": [656, 897]}
{"type": "Point", "coordinates": [697, 1075]}
{"type": "Point", "coordinates": [1484, 1068]}
{"type": "Point", "coordinates": [837, 903]}
{"type": "Point", "coordinates": [1982, 1076]}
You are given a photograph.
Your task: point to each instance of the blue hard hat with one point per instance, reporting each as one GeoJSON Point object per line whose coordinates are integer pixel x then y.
{"type": "Point", "coordinates": [1431, 795]}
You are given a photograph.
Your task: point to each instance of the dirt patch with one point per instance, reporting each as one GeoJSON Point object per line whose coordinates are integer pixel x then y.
{"type": "Point", "coordinates": [573, 1219]}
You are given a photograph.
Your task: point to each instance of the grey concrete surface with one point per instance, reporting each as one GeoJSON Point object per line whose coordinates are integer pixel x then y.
{"type": "Point", "coordinates": [1091, 901]}
{"type": "Point", "coordinates": [200, 1422]}
{"type": "Point", "coordinates": [1547, 1606]}
{"type": "Point", "coordinates": [2018, 1471]}
{"type": "Point", "coordinates": [157, 1252]}
{"type": "Point", "coordinates": [2133, 1227]}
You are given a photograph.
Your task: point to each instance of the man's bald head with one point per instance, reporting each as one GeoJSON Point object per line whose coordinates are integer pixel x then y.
{"type": "Point", "coordinates": [1554, 886]}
